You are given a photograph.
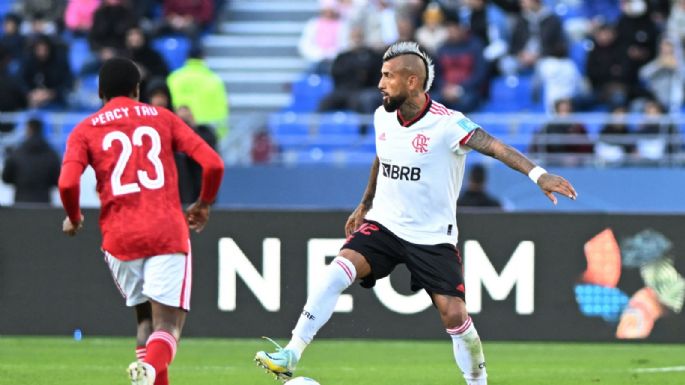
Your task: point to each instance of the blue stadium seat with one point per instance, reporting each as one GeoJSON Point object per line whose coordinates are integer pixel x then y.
{"type": "Point", "coordinates": [5, 7]}
{"type": "Point", "coordinates": [341, 122]}
{"type": "Point", "coordinates": [288, 123]}
{"type": "Point", "coordinates": [308, 91]}
{"type": "Point", "coordinates": [512, 94]}
{"type": "Point", "coordinates": [174, 49]}
{"type": "Point", "coordinates": [578, 53]}
{"type": "Point", "coordinates": [79, 54]}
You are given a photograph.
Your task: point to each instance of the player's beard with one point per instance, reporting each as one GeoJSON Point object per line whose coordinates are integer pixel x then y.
{"type": "Point", "coordinates": [392, 103]}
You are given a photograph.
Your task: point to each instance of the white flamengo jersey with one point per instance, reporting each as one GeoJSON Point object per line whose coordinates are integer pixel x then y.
{"type": "Point", "coordinates": [421, 171]}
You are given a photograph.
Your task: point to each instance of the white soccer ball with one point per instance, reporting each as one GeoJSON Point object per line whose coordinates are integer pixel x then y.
{"type": "Point", "coordinates": [302, 381]}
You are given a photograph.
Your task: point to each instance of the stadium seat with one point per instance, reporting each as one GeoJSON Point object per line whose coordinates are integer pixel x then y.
{"type": "Point", "coordinates": [340, 122]}
{"type": "Point", "coordinates": [288, 123]}
{"type": "Point", "coordinates": [511, 94]}
{"type": "Point", "coordinates": [174, 49]}
{"type": "Point", "coordinates": [5, 7]}
{"type": "Point", "coordinates": [308, 91]}
{"type": "Point", "coordinates": [578, 53]}
{"type": "Point", "coordinates": [79, 54]}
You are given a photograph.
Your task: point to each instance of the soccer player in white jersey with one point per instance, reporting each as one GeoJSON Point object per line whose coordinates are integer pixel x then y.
{"type": "Point", "coordinates": [408, 211]}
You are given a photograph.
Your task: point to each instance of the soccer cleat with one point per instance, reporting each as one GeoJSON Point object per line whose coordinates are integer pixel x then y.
{"type": "Point", "coordinates": [141, 373]}
{"type": "Point", "coordinates": [281, 363]}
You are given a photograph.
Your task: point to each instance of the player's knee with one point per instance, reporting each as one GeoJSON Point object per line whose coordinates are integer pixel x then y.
{"type": "Point", "coordinates": [453, 316]}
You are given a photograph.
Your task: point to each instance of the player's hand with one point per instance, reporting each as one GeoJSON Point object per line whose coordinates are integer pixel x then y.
{"type": "Point", "coordinates": [71, 229]}
{"type": "Point", "coordinates": [355, 220]}
{"type": "Point", "coordinates": [197, 216]}
{"type": "Point", "coordinates": [550, 184]}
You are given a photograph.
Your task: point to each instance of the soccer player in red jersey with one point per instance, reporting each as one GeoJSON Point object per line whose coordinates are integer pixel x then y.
{"type": "Point", "coordinates": [131, 146]}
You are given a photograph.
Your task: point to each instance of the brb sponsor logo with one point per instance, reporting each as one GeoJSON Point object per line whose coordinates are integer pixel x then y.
{"type": "Point", "coordinates": [394, 171]}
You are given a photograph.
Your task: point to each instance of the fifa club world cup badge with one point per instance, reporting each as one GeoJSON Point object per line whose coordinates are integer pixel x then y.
{"type": "Point", "coordinates": [420, 143]}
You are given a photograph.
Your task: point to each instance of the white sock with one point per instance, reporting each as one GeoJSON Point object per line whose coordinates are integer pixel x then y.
{"type": "Point", "coordinates": [340, 274]}
{"type": "Point", "coordinates": [468, 352]}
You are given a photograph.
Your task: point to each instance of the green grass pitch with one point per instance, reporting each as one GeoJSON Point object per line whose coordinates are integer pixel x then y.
{"type": "Point", "coordinates": [102, 361]}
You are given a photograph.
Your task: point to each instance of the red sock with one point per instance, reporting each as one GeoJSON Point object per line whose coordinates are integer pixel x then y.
{"type": "Point", "coordinates": [162, 378]}
{"type": "Point", "coordinates": [140, 352]}
{"type": "Point", "coordinates": [161, 349]}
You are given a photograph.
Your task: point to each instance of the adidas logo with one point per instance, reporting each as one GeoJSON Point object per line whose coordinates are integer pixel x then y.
{"type": "Point", "coordinates": [382, 136]}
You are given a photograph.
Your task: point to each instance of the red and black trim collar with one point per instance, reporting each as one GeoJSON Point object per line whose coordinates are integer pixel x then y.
{"type": "Point", "coordinates": [424, 110]}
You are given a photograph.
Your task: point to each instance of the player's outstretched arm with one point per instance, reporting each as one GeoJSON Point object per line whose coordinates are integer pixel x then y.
{"type": "Point", "coordinates": [486, 144]}
{"type": "Point", "coordinates": [69, 191]}
{"type": "Point", "coordinates": [357, 217]}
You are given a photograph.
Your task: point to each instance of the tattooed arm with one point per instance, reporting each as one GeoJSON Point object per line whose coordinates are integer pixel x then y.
{"type": "Point", "coordinates": [486, 144]}
{"type": "Point", "coordinates": [357, 217]}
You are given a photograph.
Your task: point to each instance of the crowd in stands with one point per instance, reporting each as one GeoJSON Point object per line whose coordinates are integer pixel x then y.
{"type": "Point", "coordinates": [51, 52]}
{"type": "Point", "coordinates": [577, 56]}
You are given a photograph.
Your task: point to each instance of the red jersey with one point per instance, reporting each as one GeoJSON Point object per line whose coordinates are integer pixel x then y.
{"type": "Point", "coordinates": [131, 146]}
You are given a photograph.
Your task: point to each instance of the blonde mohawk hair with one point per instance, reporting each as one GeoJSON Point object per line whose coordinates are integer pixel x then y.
{"type": "Point", "coordinates": [412, 48]}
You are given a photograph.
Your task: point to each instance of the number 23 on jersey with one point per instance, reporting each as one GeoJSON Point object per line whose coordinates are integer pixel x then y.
{"type": "Point", "coordinates": [127, 144]}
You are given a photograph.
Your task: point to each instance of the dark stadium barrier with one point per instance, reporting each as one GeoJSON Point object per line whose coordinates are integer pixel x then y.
{"type": "Point", "coordinates": [527, 278]}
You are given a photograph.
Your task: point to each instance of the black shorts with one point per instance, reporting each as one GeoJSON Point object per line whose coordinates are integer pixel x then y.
{"type": "Point", "coordinates": [436, 268]}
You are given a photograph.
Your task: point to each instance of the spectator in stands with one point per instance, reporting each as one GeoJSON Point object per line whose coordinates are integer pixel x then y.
{"type": "Point", "coordinates": [38, 24]}
{"type": "Point", "coordinates": [676, 21]}
{"type": "Point", "coordinates": [355, 73]}
{"type": "Point", "coordinates": [615, 140]}
{"type": "Point", "coordinates": [78, 17]}
{"type": "Point", "coordinates": [93, 65]}
{"type": "Point", "coordinates": [33, 168]}
{"type": "Point", "coordinates": [12, 97]}
{"type": "Point", "coordinates": [636, 37]}
{"type": "Point", "coordinates": [13, 41]}
{"type": "Point", "coordinates": [607, 68]}
{"type": "Point", "coordinates": [658, 136]}
{"type": "Point", "coordinates": [475, 194]}
{"type": "Point", "coordinates": [149, 61]}
{"type": "Point", "coordinates": [433, 33]}
{"type": "Point", "coordinates": [460, 69]}
{"type": "Point", "coordinates": [536, 31]}
{"type": "Point", "coordinates": [323, 37]}
{"type": "Point", "coordinates": [563, 141]}
{"type": "Point", "coordinates": [558, 77]}
{"type": "Point", "coordinates": [380, 21]}
{"type": "Point", "coordinates": [157, 94]}
{"type": "Point", "coordinates": [46, 75]}
{"type": "Point", "coordinates": [489, 24]}
{"type": "Point", "coordinates": [195, 85]}
{"type": "Point", "coordinates": [146, 12]}
{"type": "Point", "coordinates": [406, 30]}
{"type": "Point", "coordinates": [189, 172]}
{"type": "Point", "coordinates": [659, 11]}
{"type": "Point", "coordinates": [511, 7]}
{"type": "Point", "coordinates": [664, 76]}
{"type": "Point", "coordinates": [47, 12]}
{"type": "Point", "coordinates": [110, 23]}
{"type": "Point", "coordinates": [187, 17]}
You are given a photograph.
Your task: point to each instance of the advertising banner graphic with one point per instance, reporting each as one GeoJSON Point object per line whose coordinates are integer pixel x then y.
{"type": "Point", "coordinates": [569, 277]}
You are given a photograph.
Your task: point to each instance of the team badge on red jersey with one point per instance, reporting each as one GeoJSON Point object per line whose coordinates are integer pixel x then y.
{"type": "Point", "coordinates": [420, 143]}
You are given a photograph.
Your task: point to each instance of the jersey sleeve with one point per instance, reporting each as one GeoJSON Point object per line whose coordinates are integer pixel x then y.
{"type": "Point", "coordinates": [74, 162]}
{"type": "Point", "coordinates": [184, 139]}
{"type": "Point", "coordinates": [459, 131]}
{"type": "Point", "coordinates": [77, 149]}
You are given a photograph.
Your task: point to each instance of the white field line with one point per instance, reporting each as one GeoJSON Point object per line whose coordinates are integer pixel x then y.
{"type": "Point", "coordinates": [660, 370]}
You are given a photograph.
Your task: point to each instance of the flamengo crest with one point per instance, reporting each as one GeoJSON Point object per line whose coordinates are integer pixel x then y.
{"type": "Point", "coordinates": [420, 143]}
